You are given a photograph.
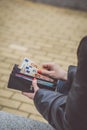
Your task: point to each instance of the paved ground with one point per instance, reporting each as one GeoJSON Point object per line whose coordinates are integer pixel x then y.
{"type": "Point", "coordinates": [42, 33]}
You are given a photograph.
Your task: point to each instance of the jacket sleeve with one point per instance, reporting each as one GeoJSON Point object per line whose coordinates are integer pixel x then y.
{"type": "Point", "coordinates": [64, 86]}
{"type": "Point", "coordinates": [51, 105]}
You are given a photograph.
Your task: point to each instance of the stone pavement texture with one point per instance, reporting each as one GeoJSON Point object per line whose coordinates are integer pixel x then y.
{"type": "Point", "coordinates": [14, 122]}
{"type": "Point", "coordinates": [41, 32]}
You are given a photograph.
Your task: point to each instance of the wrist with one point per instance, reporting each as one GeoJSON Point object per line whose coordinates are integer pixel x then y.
{"type": "Point", "coordinates": [64, 75]}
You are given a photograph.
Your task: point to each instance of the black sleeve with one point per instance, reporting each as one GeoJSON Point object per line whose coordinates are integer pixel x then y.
{"type": "Point", "coordinates": [65, 86]}
{"type": "Point", "coordinates": [51, 105]}
{"type": "Point", "coordinates": [71, 74]}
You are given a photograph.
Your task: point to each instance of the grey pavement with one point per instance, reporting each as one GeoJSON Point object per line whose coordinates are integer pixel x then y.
{"type": "Point", "coordinates": [14, 122]}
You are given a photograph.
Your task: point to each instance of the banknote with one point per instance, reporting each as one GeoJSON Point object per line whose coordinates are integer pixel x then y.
{"type": "Point", "coordinates": [28, 67]}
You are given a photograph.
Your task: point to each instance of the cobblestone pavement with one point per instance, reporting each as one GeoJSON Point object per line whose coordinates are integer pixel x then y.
{"type": "Point", "coordinates": [41, 32]}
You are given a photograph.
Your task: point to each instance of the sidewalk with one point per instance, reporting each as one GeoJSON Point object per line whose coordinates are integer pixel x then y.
{"type": "Point", "coordinates": [41, 32]}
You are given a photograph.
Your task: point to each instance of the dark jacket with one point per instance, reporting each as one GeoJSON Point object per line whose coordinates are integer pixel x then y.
{"type": "Point", "coordinates": [65, 112]}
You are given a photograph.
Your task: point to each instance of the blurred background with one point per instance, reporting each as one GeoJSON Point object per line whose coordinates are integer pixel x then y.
{"type": "Point", "coordinates": [42, 32]}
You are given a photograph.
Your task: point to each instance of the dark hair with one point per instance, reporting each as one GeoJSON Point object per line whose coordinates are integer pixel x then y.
{"type": "Point", "coordinates": [82, 49]}
{"type": "Point", "coordinates": [82, 61]}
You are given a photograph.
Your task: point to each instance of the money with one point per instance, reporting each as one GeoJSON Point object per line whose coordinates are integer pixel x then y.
{"type": "Point", "coordinates": [28, 67]}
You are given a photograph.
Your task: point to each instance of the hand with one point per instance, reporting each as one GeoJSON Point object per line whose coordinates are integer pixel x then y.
{"type": "Point", "coordinates": [54, 71]}
{"type": "Point", "coordinates": [36, 88]}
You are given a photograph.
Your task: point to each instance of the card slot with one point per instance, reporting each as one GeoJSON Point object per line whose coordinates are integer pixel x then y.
{"type": "Point", "coordinates": [19, 83]}
{"type": "Point", "coordinates": [42, 83]}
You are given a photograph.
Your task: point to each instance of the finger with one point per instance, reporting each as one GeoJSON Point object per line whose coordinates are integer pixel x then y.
{"type": "Point", "coordinates": [29, 95]}
{"type": "Point", "coordinates": [47, 73]}
{"type": "Point", "coordinates": [44, 72]}
{"type": "Point", "coordinates": [47, 65]}
{"type": "Point", "coordinates": [34, 84]}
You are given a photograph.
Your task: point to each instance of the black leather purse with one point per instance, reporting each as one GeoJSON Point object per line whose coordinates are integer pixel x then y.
{"type": "Point", "coordinates": [23, 82]}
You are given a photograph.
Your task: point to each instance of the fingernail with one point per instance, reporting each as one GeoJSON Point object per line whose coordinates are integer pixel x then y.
{"type": "Point", "coordinates": [34, 78]}
{"type": "Point", "coordinates": [39, 71]}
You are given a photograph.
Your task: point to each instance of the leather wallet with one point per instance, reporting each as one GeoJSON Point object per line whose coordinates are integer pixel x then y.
{"type": "Point", "coordinates": [23, 82]}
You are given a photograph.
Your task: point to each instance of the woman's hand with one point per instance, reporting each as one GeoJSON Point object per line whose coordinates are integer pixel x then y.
{"type": "Point", "coordinates": [54, 71]}
{"type": "Point", "coordinates": [36, 88]}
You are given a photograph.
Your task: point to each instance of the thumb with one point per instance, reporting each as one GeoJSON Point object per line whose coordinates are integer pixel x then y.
{"type": "Point", "coordinates": [46, 72]}
{"type": "Point", "coordinates": [34, 84]}
{"type": "Point", "coordinates": [43, 72]}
